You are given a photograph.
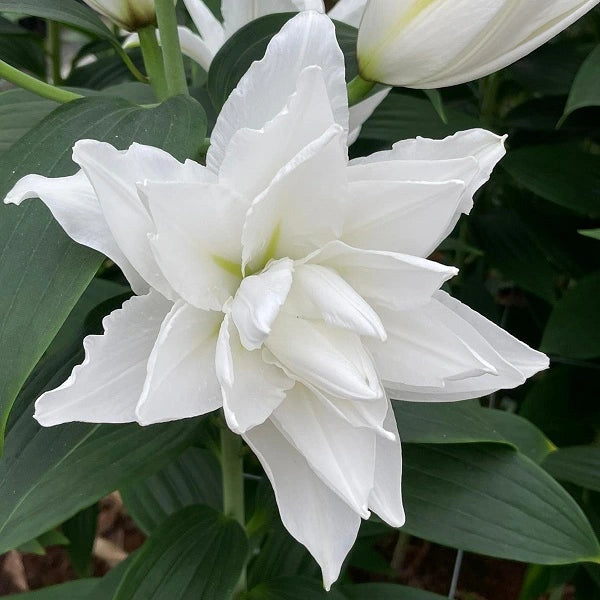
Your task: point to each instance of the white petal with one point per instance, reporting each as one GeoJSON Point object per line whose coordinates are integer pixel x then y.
{"type": "Point", "coordinates": [319, 292]}
{"type": "Point", "coordinates": [74, 205]}
{"type": "Point", "coordinates": [307, 39]}
{"type": "Point", "coordinates": [251, 388]}
{"type": "Point", "coordinates": [198, 239]}
{"type": "Point", "coordinates": [181, 379]}
{"type": "Point", "coordinates": [485, 147]}
{"type": "Point", "coordinates": [422, 350]}
{"type": "Point", "coordinates": [114, 175]}
{"type": "Point", "coordinates": [310, 511]}
{"type": "Point", "coordinates": [342, 455]}
{"type": "Point", "coordinates": [207, 24]}
{"type": "Point", "coordinates": [410, 217]}
{"type": "Point", "coordinates": [386, 497]}
{"type": "Point", "coordinates": [106, 387]}
{"type": "Point", "coordinates": [348, 11]}
{"type": "Point", "coordinates": [281, 221]}
{"type": "Point", "coordinates": [193, 46]}
{"type": "Point", "coordinates": [388, 279]}
{"type": "Point", "coordinates": [360, 112]}
{"type": "Point", "coordinates": [327, 357]}
{"type": "Point", "coordinates": [254, 156]}
{"type": "Point", "coordinates": [436, 44]}
{"type": "Point", "coordinates": [258, 301]}
{"type": "Point", "coordinates": [513, 361]}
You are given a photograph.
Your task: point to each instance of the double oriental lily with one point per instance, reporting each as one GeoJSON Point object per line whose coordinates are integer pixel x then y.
{"type": "Point", "coordinates": [287, 286]}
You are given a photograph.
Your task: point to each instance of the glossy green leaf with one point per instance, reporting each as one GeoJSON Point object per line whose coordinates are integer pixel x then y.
{"type": "Point", "coordinates": [386, 591]}
{"type": "Point", "coordinates": [43, 272]}
{"type": "Point", "coordinates": [573, 329]}
{"type": "Point", "coordinates": [438, 103]}
{"type": "Point", "coordinates": [68, 12]}
{"type": "Point", "coordinates": [576, 464]}
{"type": "Point", "coordinates": [80, 530]}
{"type": "Point", "coordinates": [492, 500]}
{"type": "Point", "coordinates": [468, 422]}
{"type": "Point", "coordinates": [249, 44]}
{"type": "Point", "coordinates": [586, 87]}
{"type": "Point", "coordinates": [196, 554]}
{"type": "Point", "coordinates": [19, 112]}
{"type": "Point", "coordinates": [23, 53]}
{"type": "Point", "coordinates": [562, 174]}
{"type": "Point", "coordinates": [192, 478]}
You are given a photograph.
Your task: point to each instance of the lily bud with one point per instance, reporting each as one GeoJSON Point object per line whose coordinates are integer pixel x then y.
{"type": "Point", "coordinates": [435, 43]}
{"type": "Point", "coordinates": [127, 14]}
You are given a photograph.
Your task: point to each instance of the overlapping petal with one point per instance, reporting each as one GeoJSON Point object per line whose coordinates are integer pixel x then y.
{"type": "Point", "coordinates": [106, 387]}
{"type": "Point", "coordinates": [181, 380]}
{"type": "Point", "coordinates": [264, 90]}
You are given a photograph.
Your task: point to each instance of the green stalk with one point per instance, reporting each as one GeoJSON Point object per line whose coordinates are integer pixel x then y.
{"type": "Point", "coordinates": [153, 61]}
{"type": "Point", "coordinates": [358, 89]}
{"type": "Point", "coordinates": [169, 41]}
{"type": "Point", "coordinates": [55, 50]}
{"type": "Point", "coordinates": [41, 88]}
{"type": "Point", "coordinates": [232, 466]}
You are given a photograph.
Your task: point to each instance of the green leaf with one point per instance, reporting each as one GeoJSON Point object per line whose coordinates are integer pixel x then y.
{"type": "Point", "coordinates": [192, 478]}
{"type": "Point", "coordinates": [43, 272]}
{"type": "Point", "coordinates": [510, 246]}
{"type": "Point", "coordinates": [576, 464]}
{"type": "Point", "coordinates": [468, 422]}
{"type": "Point", "coordinates": [562, 174]}
{"type": "Point", "coordinates": [586, 87]}
{"type": "Point", "coordinates": [591, 233]}
{"type": "Point", "coordinates": [67, 12]}
{"type": "Point", "coordinates": [73, 590]}
{"type": "Point", "coordinates": [80, 530]}
{"type": "Point", "coordinates": [19, 112]}
{"type": "Point", "coordinates": [23, 53]}
{"type": "Point", "coordinates": [573, 329]}
{"type": "Point", "coordinates": [436, 101]}
{"type": "Point", "coordinates": [249, 44]}
{"type": "Point", "coordinates": [402, 116]}
{"type": "Point", "coordinates": [492, 500]}
{"type": "Point", "coordinates": [197, 553]}
{"type": "Point", "coordinates": [386, 591]}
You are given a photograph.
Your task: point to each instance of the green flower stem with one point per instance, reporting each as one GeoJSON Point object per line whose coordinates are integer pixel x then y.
{"type": "Point", "coordinates": [233, 486]}
{"type": "Point", "coordinates": [169, 41]}
{"type": "Point", "coordinates": [55, 50]}
{"type": "Point", "coordinates": [358, 89]}
{"type": "Point", "coordinates": [153, 61]}
{"type": "Point", "coordinates": [41, 88]}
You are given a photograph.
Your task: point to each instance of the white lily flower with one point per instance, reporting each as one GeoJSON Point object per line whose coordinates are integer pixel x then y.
{"type": "Point", "coordinates": [202, 47]}
{"type": "Point", "coordinates": [432, 44]}
{"type": "Point", "coordinates": [130, 15]}
{"type": "Point", "coordinates": [286, 285]}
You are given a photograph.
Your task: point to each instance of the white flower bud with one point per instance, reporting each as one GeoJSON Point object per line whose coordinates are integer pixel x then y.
{"type": "Point", "coordinates": [127, 14]}
{"type": "Point", "coordinates": [432, 43]}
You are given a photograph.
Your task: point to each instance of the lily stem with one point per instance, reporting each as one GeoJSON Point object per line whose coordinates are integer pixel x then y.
{"type": "Point", "coordinates": [358, 89]}
{"type": "Point", "coordinates": [232, 466]}
{"type": "Point", "coordinates": [169, 41]}
{"type": "Point", "coordinates": [41, 88]}
{"type": "Point", "coordinates": [153, 60]}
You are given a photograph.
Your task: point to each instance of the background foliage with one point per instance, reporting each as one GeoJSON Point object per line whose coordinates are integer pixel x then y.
{"type": "Point", "coordinates": [516, 475]}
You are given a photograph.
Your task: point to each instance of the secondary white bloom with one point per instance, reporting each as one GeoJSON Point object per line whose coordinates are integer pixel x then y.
{"type": "Point", "coordinates": [128, 14]}
{"type": "Point", "coordinates": [286, 285]}
{"type": "Point", "coordinates": [435, 43]}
